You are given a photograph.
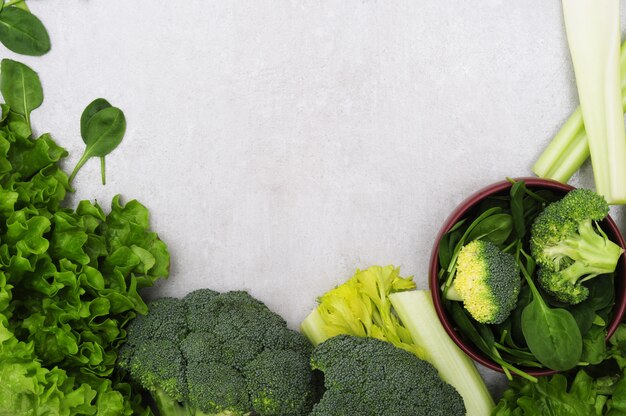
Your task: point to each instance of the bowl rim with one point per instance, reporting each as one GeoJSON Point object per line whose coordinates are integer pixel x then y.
{"type": "Point", "coordinates": [457, 214]}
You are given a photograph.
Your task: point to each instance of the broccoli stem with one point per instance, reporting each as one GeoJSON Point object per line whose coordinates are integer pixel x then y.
{"type": "Point", "coordinates": [593, 254]}
{"type": "Point", "coordinates": [168, 406]}
{"type": "Point", "coordinates": [569, 148]}
{"type": "Point", "coordinates": [453, 294]}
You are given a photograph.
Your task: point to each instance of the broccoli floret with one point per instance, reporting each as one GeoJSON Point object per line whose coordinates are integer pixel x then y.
{"type": "Point", "coordinates": [266, 378]}
{"type": "Point", "coordinates": [219, 354]}
{"type": "Point", "coordinates": [369, 377]}
{"type": "Point", "coordinates": [487, 281]}
{"type": "Point", "coordinates": [570, 247]}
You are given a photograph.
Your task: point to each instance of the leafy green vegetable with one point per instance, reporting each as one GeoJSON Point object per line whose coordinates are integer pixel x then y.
{"type": "Point", "coordinates": [540, 331]}
{"type": "Point", "coordinates": [595, 390]}
{"type": "Point", "coordinates": [552, 335]}
{"type": "Point", "coordinates": [22, 32]}
{"type": "Point", "coordinates": [102, 128]}
{"type": "Point", "coordinates": [69, 278]}
{"type": "Point", "coordinates": [21, 88]}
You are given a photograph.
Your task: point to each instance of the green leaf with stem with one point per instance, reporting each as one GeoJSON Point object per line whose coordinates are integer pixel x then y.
{"type": "Point", "coordinates": [102, 129]}
{"type": "Point", "coordinates": [552, 334]}
{"type": "Point", "coordinates": [20, 87]}
{"type": "Point", "coordinates": [22, 32]}
{"type": "Point", "coordinates": [90, 111]}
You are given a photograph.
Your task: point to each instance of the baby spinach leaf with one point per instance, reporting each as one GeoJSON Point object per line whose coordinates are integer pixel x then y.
{"type": "Point", "coordinates": [22, 32]}
{"type": "Point", "coordinates": [102, 129]}
{"type": "Point", "coordinates": [495, 229]}
{"type": "Point", "coordinates": [467, 326]}
{"type": "Point", "coordinates": [594, 346]}
{"type": "Point", "coordinates": [89, 112]}
{"type": "Point", "coordinates": [448, 243]}
{"type": "Point", "coordinates": [552, 335]}
{"type": "Point", "coordinates": [92, 109]}
{"type": "Point", "coordinates": [20, 87]}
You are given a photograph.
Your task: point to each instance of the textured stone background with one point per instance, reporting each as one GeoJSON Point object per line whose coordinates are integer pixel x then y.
{"type": "Point", "coordinates": [281, 144]}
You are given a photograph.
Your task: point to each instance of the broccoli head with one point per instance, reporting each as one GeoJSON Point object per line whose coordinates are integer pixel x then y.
{"type": "Point", "coordinates": [219, 354]}
{"type": "Point", "coordinates": [570, 247]}
{"type": "Point", "coordinates": [369, 377]}
{"type": "Point", "coordinates": [487, 281]}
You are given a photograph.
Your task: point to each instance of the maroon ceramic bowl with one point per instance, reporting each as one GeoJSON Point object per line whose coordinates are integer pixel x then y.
{"type": "Point", "coordinates": [608, 225]}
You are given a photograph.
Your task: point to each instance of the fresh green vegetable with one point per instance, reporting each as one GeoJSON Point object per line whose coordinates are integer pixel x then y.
{"type": "Point", "coordinates": [540, 332]}
{"type": "Point", "coordinates": [102, 128]}
{"type": "Point", "coordinates": [69, 278]}
{"type": "Point", "coordinates": [416, 310]}
{"type": "Point", "coordinates": [21, 89]}
{"type": "Point", "coordinates": [569, 148]}
{"type": "Point", "coordinates": [593, 33]}
{"type": "Point", "coordinates": [219, 354]}
{"type": "Point", "coordinates": [369, 377]}
{"type": "Point", "coordinates": [21, 31]}
{"type": "Point", "coordinates": [595, 390]}
{"type": "Point", "coordinates": [570, 247]}
{"type": "Point", "coordinates": [361, 307]}
{"type": "Point", "coordinates": [487, 281]}
{"type": "Point", "coordinates": [552, 334]}
{"type": "Point", "coordinates": [379, 303]}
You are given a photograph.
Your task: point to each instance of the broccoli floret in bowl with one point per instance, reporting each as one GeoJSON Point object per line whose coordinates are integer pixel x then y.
{"type": "Point", "coordinates": [570, 247]}
{"type": "Point", "coordinates": [487, 281]}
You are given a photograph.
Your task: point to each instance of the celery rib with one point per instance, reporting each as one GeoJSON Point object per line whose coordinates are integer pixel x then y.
{"type": "Point", "coordinates": [569, 148]}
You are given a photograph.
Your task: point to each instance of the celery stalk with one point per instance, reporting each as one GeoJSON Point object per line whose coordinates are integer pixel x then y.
{"type": "Point", "coordinates": [569, 149]}
{"type": "Point", "coordinates": [593, 35]}
{"type": "Point", "coordinates": [416, 311]}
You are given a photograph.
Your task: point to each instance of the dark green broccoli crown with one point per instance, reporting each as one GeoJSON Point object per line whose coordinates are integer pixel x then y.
{"type": "Point", "coordinates": [567, 241]}
{"type": "Point", "coordinates": [374, 378]}
{"type": "Point", "coordinates": [488, 281]}
{"type": "Point", "coordinates": [166, 320]}
{"type": "Point", "coordinates": [583, 204]}
{"type": "Point", "coordinates": [217, 347]}
{"type": "Point", "coordinates": [561, 289]}
{"type": "Point", "coordinates": [156, 364]}
{"type": "Point", "coordinates": [277, 388]}
{"type": "Point", "coordinates": [217, 388]}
